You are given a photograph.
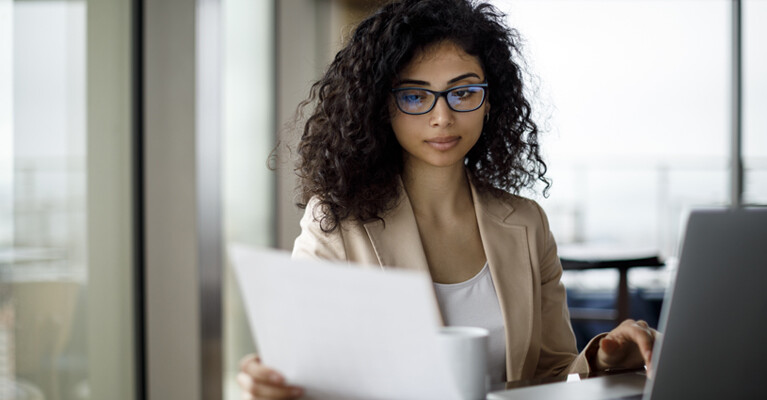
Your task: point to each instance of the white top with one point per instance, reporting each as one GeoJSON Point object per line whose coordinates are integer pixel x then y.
{"type": "Point", "coordinates": [475, 303]}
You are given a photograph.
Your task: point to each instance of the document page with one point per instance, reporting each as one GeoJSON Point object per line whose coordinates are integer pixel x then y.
{"type": "Point", "coordinates": [342, 331]}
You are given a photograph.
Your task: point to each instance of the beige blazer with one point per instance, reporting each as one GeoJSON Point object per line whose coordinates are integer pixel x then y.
{"type": "Point", "coordinates": [523, 261]}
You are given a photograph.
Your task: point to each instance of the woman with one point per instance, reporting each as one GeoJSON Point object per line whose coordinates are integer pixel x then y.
{"type": "Point", "coordinates": [420, 135]}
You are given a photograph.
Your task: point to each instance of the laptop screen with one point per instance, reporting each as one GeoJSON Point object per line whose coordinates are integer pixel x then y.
{"type": "Point", "coordinates": [714, 322]}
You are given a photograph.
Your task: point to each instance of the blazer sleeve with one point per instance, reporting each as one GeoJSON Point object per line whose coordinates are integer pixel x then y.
{"type": "Point", "coordinates": [558, 355]}
{"type": "Point", "coordinates": [313, 243]}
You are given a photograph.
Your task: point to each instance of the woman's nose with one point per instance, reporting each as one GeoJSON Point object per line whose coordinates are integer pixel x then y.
{"type": "Point", "coordinates": [441, 114]}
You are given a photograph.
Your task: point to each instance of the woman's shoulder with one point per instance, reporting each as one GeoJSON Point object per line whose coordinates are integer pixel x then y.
{"type": "Point", "coordinates": [315, 212]}
{"type": "Point", "coordinates": [314, 241]}
{"type": "Point", "coordinates": [315, 227]}
{"type": "Point", "coordinates": [515, 201]}
{"type": "Point", "coordinates": [520, 209]}
{"type": "Point", "coordinates": [347, 241]}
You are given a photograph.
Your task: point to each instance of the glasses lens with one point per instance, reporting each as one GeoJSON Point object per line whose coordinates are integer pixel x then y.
{"type": "Point", "coordinates": [466, 98]}
{"type": "Point", "coordinates": [414, 101]}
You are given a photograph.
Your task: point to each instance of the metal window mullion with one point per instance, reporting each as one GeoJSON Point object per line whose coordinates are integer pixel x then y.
{"type": "Point", "coordinates": [208, 137]}
{"type": "Point", "coordinates": [736, 134]}
{"type": "Point", "coordinates": [137, 109]}
{"type": "Point", "coordinates": [182, 205]}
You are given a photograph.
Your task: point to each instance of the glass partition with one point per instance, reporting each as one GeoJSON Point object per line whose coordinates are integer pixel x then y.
{"type": "Point", "coordinates": [754, 102]}
{"type": "Point", "coordinates": [66, 315]}
{"type": "Point", "coordinates": [249, 137]}
{"type": "Point", "coordinates": [634, 100]}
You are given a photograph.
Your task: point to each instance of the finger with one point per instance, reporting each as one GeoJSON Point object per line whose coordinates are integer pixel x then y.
{"type": "Point", "coordinates": [252, 389]}
{"type": "Point", "coordinates": [246, 383]}
{"type": "Point", "coordinates": [609, 345]}
{"type": "Point", "coordinates": [620, 348]}
{"type": "Point", "coordinates": [644, 338]}
{"type": "Point", "coordinates": [627, 331]}
{"type": "Point", "coordinates": [612, 353]}
{"type": "Point", "coordinates": [263, 374]}
{"type": "Point", "coordinates": [249, 359]}
{"type": "Point", "coordinates": [277, 392]}
{"type": "Point", "coordinates": [616, 339]}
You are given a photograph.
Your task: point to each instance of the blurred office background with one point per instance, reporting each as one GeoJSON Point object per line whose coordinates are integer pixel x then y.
{"type": "Point", "coordinates": [135, 138]}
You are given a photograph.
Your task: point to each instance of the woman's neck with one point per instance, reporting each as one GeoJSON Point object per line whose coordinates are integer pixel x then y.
{"type": "Point", "coordinates": [436, 192]}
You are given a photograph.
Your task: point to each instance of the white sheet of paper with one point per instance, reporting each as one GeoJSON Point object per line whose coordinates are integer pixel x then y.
{"type": "Point", "coordinates": [343, 332]}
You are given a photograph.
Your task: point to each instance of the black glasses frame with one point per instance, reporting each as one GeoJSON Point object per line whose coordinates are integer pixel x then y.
{"type": "Point", "coordinates": [437, 94]}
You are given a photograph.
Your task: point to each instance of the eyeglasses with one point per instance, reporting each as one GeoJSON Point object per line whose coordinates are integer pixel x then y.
{"type": "Point", "coordinates": [417, 101]}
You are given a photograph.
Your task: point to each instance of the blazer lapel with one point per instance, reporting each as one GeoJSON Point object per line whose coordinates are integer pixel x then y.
{"type": "Point", "coordinates": [396, 240]}
{"type": "Point", "coordinates": [397, 243]}
{"type": "Point", "coordinates": [507, 250]}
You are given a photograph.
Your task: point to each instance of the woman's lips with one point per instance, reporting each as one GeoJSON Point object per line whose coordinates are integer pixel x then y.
{"type": "Point", "coordinates": [443, 143]}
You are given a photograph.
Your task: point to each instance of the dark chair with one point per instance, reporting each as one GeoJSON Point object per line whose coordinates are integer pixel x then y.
{"type": "Point", "coordinates": [583, 257]}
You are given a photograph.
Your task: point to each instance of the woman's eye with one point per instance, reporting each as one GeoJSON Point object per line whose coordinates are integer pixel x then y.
{"type": "Point", "coordinates": [412, 97]}
{"type": "Point", "coordinates": [462, 93]}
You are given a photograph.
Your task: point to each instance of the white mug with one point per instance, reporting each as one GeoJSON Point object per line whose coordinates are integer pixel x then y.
{"type": "Point", "coordinates": [465, 352]}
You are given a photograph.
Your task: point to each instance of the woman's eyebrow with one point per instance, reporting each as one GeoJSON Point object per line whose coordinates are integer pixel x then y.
{"type": "Point", "coordinates": [462, 77]}
{"type": "Point", "coordinates": [412, 82]}
{"type": "Point", "coordinates": [424, 83]}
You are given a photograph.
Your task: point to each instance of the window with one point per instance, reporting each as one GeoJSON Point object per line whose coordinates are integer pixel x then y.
{"type": "Point", "coordinates": [635, 101]}
{"type": "Point", "coordinates": [754, 102]}
{"type": "Point", "coordinates": [249, 107]}
{"type": "Point", "coordinates": [66, 203]}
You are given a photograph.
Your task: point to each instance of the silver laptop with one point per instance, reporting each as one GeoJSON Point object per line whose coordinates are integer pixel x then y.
{"type": "Point", "coordinates": [714, 321]}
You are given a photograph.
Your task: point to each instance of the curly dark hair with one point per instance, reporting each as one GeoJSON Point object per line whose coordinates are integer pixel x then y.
{"type": "Point", "coordinates": [350, 159]}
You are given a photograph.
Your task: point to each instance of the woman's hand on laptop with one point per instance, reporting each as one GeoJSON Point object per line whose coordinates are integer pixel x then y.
{"type": "Point", "coordinates": [260, 382]}
{"type": "Point", "coordinates": [629, 345]}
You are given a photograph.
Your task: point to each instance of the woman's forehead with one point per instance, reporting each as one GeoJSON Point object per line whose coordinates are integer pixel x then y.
{"type": "Point", "coordinates": [442, 60]}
